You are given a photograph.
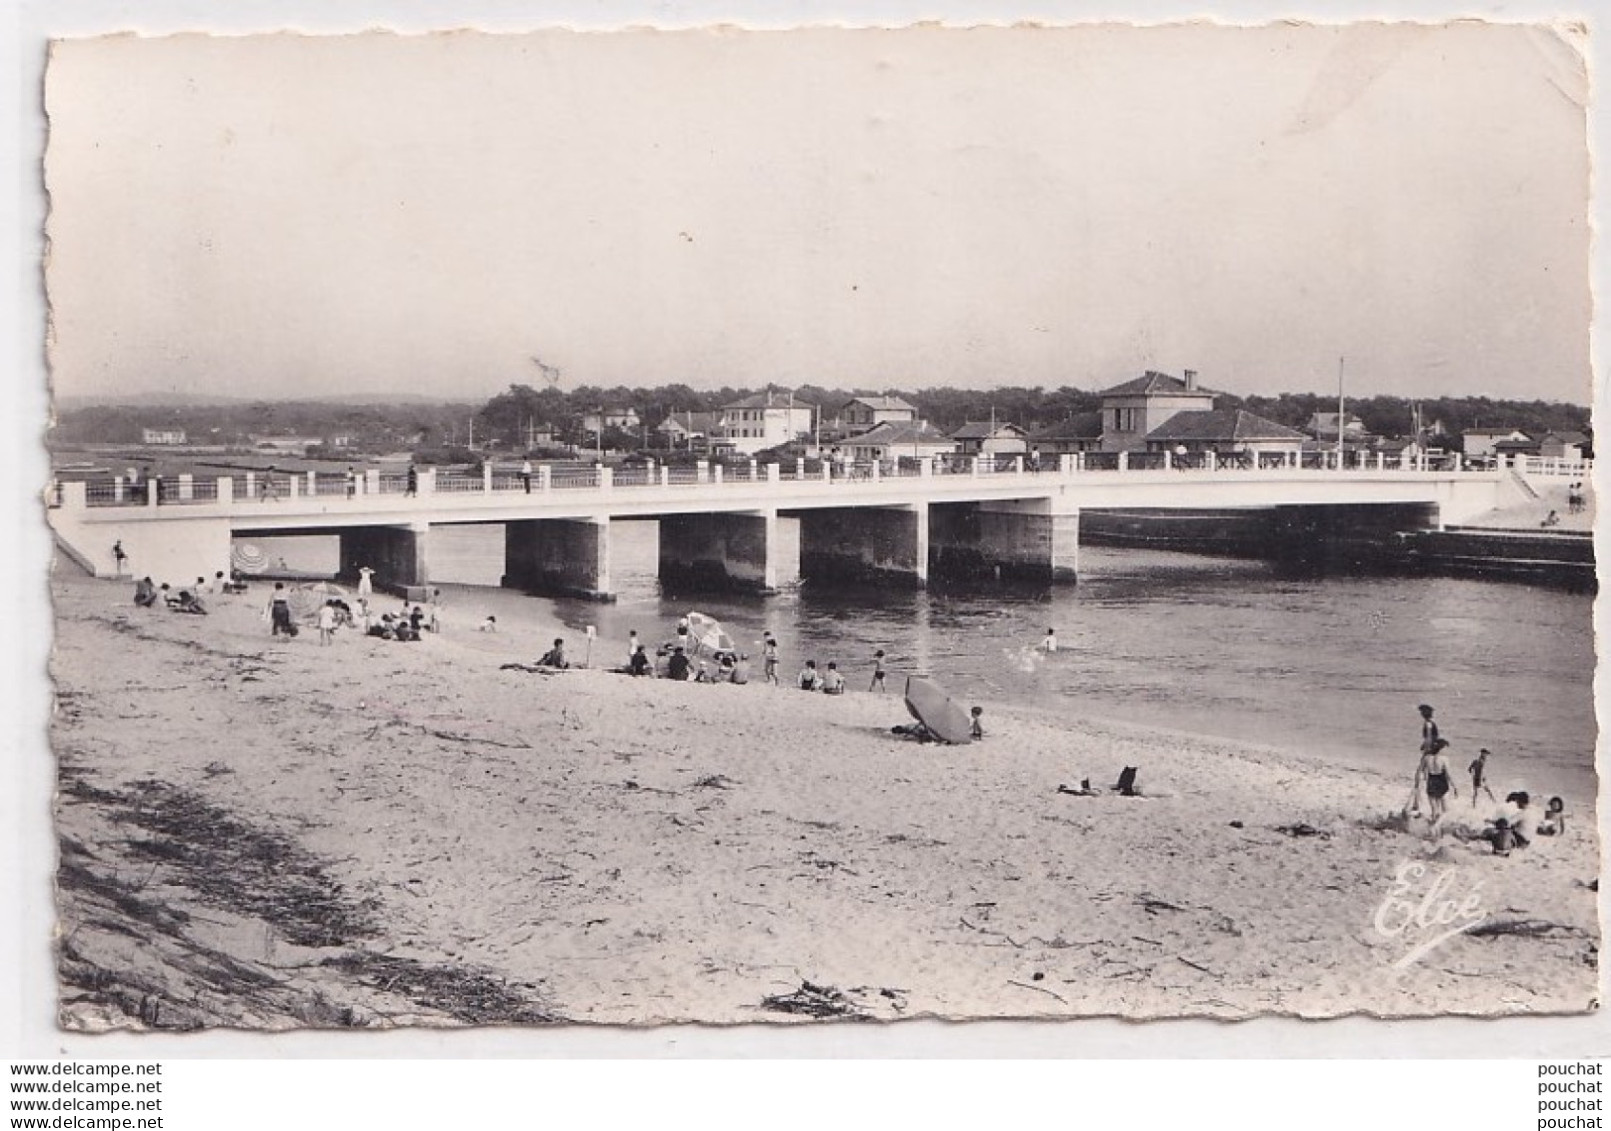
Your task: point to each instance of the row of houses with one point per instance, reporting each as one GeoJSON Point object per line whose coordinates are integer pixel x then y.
{"type": "Point", "coordinates": [1153, 412]}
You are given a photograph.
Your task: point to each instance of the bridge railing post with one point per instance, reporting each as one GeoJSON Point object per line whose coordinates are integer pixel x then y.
{"type": "Point", "coordinates": [702, 471]}
{"type": "Point", "coordinates": [1211, 460]}
{"type": "Point", "coordinates": [973, 466]}
{"type": "Point", "coordinates": [665, 476]}
{"type": "Point", "coordinates": [187, 487]}
{"type": "Point", "coordinates": [827, 471]}
{"type": "Point", "coordinates": [1124, 461]}
{"type": "Point", "coordinates": [313, 484]}
{"type": "Point", "coordinates": [224, 486]}
{"type": "Point", "coordinates": [545, 478]}
{"type": "Point", "coordinates": [753, 477]}
{"type": "Point", "coordinates": [606, 477]}
{"type": "Point", "coordinates": [716, 474]}
{"type": "Point", "coordinates": [1017, 465]}
{"type": "Point", "coordinates": [290, 487]}
{"type": "Point", "coordinates": [876, 467]}
{"type": "Point", "coordinates": [774, 472]}
{"type": "Point", "coordinates": [486, 476]}
{"type": "Point", "coordinates": [925, 467]}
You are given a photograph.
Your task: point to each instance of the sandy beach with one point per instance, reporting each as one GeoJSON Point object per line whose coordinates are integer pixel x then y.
{"type": "Point", "coordinates": [273, 834]}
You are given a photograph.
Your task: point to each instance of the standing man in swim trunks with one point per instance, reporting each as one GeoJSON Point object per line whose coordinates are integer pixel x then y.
{"type": "Point", "coordinates": [1479, 778]}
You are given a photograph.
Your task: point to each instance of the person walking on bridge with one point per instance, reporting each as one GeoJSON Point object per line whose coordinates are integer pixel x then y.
{"type": "Point", "coordinates": [525, 475]}
{"type": "Point", "coordinates": [412, 487]}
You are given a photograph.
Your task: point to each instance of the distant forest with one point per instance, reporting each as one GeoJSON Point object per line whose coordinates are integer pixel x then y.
{"type": "Point", "coordinates": [504, 420]}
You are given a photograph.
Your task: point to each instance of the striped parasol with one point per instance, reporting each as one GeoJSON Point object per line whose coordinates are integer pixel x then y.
{"type": "Point", "coordinates": [248, 558]}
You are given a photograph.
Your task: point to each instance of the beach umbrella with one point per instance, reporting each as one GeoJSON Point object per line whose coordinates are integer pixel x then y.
{"type": "Point", "coordinates": [708, 636]}
{"type": "Point", "coordinates": [942, 715]}
{"type": "Point", "coordinates": [248, 558]}
{"type": "Point", "coordinates": [308, 598]}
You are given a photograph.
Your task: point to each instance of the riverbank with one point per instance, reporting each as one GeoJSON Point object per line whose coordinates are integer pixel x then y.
{"type": "Point", "coordinates": [272, 834]}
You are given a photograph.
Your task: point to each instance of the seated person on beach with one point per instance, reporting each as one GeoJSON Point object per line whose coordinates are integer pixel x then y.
{"type": "Point", "coordinates": [384, 628]}
{"type": "Point", "coordinates": [188, 602]}
{"type": "Point", "coordinates": [489, 625]}
{"type": "Point", "coordinates": [416, 620]}
{"type": "Point", "coordinates": [1523, 821]}
{"type": "Point", "coordinates": [1126, 785]}
{"type": "Point", "coordinates": [1554, 822]}
{"type": "Point", "coordinates": [725, 662]}
{"type": "Point", "coordinates": [678, 667]}
{"type": "Point", "coordinates": [404, 631]}
{"type": "Point", "coordinates": [913, 730]}
{"type": "Point", "coordinates": [167, 595]}
{"type": "Point", "coordinates": [555, 656]}
{"type": "Point", "coordinates": [741, 669]}
{"type": "Point", "coordinates": [809, 679]}
{"type": "Point", "coordinates": [1501, 837]}
{"type": "Point", "coordinates": [1551, 519]}
{"type": "Point", "coordinates": [145, 593]}
{"type": "Point", "coordinates": [640, 664]}
{"type": "Point", "coordinates": [235, 584]}
{"type": "Point", "coordinates": [832, 682]}
{"type": "Point", "coordinates": [703, 675]}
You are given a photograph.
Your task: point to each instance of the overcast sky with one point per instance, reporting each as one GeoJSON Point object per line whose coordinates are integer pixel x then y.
{"type": "Point", "coordinates": [282, 216]}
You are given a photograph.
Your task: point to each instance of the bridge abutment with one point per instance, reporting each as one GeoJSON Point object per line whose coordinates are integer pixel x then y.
{"type": "Point", "coordinates": [723, 552]}
{"type": "Point", "coordinates": [397, 554]}
{"type": "Point", "coordinates": [1033, 540]}
{"type": "Point", "coordinates": [866, 545]}
{"type": "Point", "coordinates": [558, 557]}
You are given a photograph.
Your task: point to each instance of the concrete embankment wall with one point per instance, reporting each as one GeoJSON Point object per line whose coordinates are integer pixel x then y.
{"type": "Point", "coordinates": [1352, 539]}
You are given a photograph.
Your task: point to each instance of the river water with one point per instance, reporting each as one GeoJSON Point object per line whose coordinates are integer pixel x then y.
{"type": "Point", "coordinates": [1328, 668]}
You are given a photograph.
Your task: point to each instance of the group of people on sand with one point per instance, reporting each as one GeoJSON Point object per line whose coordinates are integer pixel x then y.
{"type": "Point", "coordinates": [150, 595]}
{"type": "Point", "coordinates": [1516, 827]}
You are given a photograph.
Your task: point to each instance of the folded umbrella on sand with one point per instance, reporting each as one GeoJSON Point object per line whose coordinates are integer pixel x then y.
{"type": "Point", "coordinates": [937, 711]}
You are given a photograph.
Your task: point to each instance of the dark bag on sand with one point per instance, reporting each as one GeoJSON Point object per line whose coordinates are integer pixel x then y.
{"type": "Point", "coordinates": [1127, 782]}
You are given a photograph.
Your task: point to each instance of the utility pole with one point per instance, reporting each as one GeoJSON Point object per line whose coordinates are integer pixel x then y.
{"type": "Point", "coordinates": [1341, 413]}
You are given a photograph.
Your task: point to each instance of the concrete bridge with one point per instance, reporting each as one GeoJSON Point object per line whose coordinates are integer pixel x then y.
{"type": "Point", "coordinates": [719, 527]}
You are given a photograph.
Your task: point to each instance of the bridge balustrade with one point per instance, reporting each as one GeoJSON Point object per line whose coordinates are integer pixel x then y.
{"type": "Point", "coordinates": [458, 484]}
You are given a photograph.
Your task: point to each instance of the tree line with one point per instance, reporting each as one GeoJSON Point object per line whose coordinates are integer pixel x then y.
{"type": "Point", "coordinates": [510, 418]}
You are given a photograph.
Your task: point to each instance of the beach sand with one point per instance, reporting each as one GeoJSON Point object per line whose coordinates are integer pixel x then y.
{"type": "Point", "coordinates": [273, 834]}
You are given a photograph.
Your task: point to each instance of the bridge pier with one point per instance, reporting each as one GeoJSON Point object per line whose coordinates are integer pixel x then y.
{"type": "Point", "coordinates": [558, 557]}
{"type": "Point", "coordinates": [1035, 540]}
{"type": "Point", "coordinates": [866, 545]}
{"type": "Point", "coordinates": [397, 554]}
{"type": "Point", "coordinates": [723, 552]}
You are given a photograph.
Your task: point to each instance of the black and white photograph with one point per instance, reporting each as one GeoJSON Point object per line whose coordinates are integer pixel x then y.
{"type": "Point", "coordinates": [783, 527]}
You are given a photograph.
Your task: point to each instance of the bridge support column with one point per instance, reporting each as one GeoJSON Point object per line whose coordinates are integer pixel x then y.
{"type": "Point", "coordinates": [397, 554]}
{"type": "Point", "coordinates": [866, 545]}
{"type": "Point", "coordinates": [559, 557]}
{"type": "Point", "coordinates": [716, 553]}
{"type": "Point", "coordinates": [1025, 540]}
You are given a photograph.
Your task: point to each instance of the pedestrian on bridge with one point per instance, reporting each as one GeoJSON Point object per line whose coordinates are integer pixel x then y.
{"type": "Point", "coordinates": [525, 475]}
{"type": "Point", "coordinates": [413, 484]}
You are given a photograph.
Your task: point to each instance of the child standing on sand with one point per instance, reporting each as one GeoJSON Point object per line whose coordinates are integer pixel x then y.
{"type": "Point", "coordinates": [878, 671]}
{"type": "Point", "coordinates": [769, 658]}
{"type": "Point", "coordinates": [977, 729]}
{"type": "Point", "coordinates": [1479, 778]}
{"type": "Point", "coordinates": [327, 622]}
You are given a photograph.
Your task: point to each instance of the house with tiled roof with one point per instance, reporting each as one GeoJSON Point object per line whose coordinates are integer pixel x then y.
{"type": "Point", "coordinates": [915, 439]}
{"type": "Point", "coordinates": [1323, 426]}
{"type": "Point", "coordinates": [686, 429]}
{"type": "Point", "coordinates": [1130, 411]}
{"type": "Point", "coordinates": [1568, 446]}
{"type": "Point", "coordinates": [1227, 431]}
{"type": "Point", "coordinates": [861, 413]}
{"type": "Point", "coordinates": [1081, 432]}
{"type": "Point", "coordinates": [765, 420]}
{"type": "Point", "coordinates": [1477, 442]}
{"type": "Point", "coordinates": [989, 437]}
